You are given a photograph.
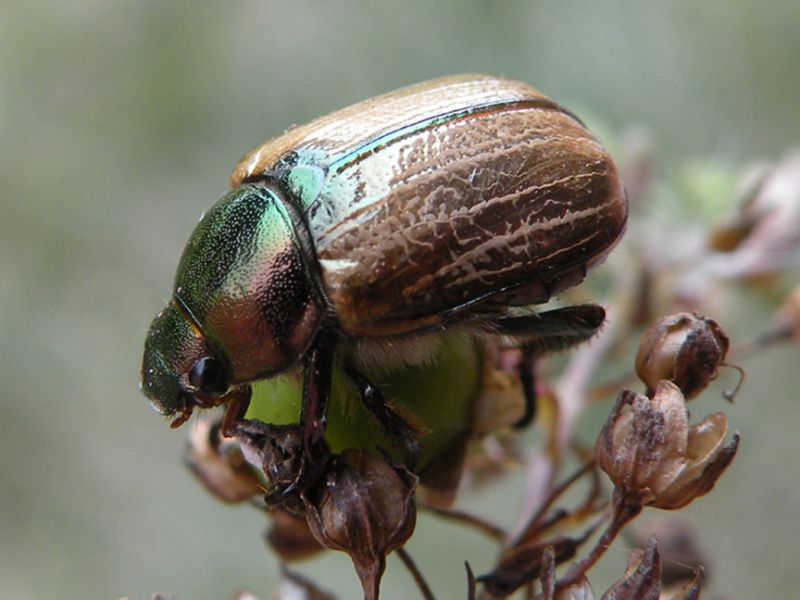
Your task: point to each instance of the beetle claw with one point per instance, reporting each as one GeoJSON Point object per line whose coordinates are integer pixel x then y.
{"type": "Point", "coordinates": [181, 418]}
{"type": "Point", "coordinates": [236, 409]}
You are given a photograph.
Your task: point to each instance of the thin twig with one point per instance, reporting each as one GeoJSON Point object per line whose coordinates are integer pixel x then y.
{"type": "Point", "coordinates": [490, 529]}
{"type": "Point", "coordinates": [471, 585]}
{"type": "Point", "coordinates": [532, 527]}
{"type": "Point", "coordinates": [621, 516]}
{"type": "Point", "coordinates": [427, 594]}
{"type": "Point", "coordinates": [762, 342]}
{"type": "Point", "coordinates": [611, 387]}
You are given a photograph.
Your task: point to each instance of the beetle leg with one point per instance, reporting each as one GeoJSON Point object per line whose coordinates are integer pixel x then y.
{"type": "Point", "coordinates": [313, 412]}
{"type": "Point", "coordinates": [553, 330]}
{"type": "Point", "coordinates": [400, 432]}
{"type": "Point", "coordinates": [526, 371]}
{"type": "Point", "coordinates": [238, 402]}
{"type": "Point", "coordinates": [182, 417]}
{"type": "Point", "coordinates": [545, 332]}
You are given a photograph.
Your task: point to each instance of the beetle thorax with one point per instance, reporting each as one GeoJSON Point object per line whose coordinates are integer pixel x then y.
{"type": "Point", "coordinates": [243, 278]}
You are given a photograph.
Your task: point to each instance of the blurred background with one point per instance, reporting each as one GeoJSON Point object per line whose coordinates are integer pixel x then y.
{"type": "Point", "coordinates": [119, 124]}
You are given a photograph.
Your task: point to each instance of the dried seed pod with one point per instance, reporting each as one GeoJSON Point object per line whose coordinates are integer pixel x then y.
{"type": "Point", "coordinates": [522, 565]}
{"type": "Point", "coordinates": [576, 591]}
{"type": "Point", "coordinates": [679, 547]}
{"type": "Point", "coordinates": [290, 537]}
{"type": "Point", "coordinates": [728, 235]}
{"type": "Point", "coordinates": [683, 348]}
{"type": "Point", "coordinates": [652, 455]}
{"type": "Point", "coordinates": [786, 322]}
{"type": "Point", "coordinates": [642, 580]}
{"type": "Point", "coordinates": [763, 237]}
{"type": "Point", "coordinates": [366, 508]}
{"type": "Point", "coordinates": [219, 463]}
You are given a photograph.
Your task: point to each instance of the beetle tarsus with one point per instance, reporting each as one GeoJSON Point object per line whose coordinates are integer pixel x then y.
{"type": "Point", "coordinates": [181, 418]}
{"type": "Point", "coordinates": [401, 433]}
{"type": "Point", "coordinates": [545, 332]}
{"type": "Point", "coordinates": [313, 419]}
{"type": "Point", "coordinates": [526, 371]}
{"type": "Point", "coordinates": [238, 403]}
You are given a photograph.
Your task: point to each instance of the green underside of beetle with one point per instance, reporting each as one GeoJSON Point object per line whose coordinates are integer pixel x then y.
{"type": "Point", "coordinates": [437, 398]}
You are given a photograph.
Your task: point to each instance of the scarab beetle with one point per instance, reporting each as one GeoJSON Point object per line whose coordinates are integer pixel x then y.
{"type": "Point", "coordinates": [369, 231]}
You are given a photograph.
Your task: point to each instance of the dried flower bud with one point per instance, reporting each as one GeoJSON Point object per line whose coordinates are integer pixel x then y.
{"type": "Point", "coordinates": [576, 591]}
{"type": "Point", "coordinates": [679, 547]}
{"type": "Point", "coordinates": [690, 591]}
{"type": "Point", "coordinates": [290, 536]}
{"type": "Point", "coordinates": [763, 238]}
{"type": "Point", "coordinates": [728, 235]}
{"type": "Point", "coordinates": [652, 455]}
{"type": "Point", "coordinates": [786, 321]}
{"type": "Point", "coordinates": [219, 464]}
{"type": "Point", "coordinates": [642, 580]}
{"type": "Point", "coordinates": [683, 348]}
{"type": "Point", "coordinates": [365, 507]}
{"type": "Point", "coordinates": [523, 564]}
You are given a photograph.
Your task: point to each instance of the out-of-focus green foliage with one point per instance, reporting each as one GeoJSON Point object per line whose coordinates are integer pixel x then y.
{"type": "Point", "coordinates": [119, 122]}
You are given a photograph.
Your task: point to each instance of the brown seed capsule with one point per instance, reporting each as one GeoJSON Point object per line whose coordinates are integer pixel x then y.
{"type": "Point", "coordinates": [523, 565]}
{"type": "Point", "coordinates": [652, 455]}
{"type": "Point", "coordinates": [576, 591]}
{"type": "Point", "coordinates": [642, 580]}
{"type": "Point", "coordinates": [679, 547]}
{"type": "Point", "coordinates": [366, 508]}
{"type": "Point", "coordinates": [290, 536]}
{"type": "Point", "coordinates": [786, 321]}
{"type": "Point", "coordinates": [219, 464]}
{"type": "Point", "coordinates": [763, 237]}
{"type": "Point", "coordinates": [683, 348]}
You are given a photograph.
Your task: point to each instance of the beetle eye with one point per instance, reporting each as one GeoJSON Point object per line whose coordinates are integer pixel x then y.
{"type": "Point", "coordinates": [207, 376]}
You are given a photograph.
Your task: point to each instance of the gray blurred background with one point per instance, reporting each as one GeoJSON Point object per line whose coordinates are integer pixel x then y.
{"type": "Point", "coordinates": [119, 124]}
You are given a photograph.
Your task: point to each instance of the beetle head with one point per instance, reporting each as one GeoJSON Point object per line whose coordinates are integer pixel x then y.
{"type": "Point", "coordinates": [179, 369]}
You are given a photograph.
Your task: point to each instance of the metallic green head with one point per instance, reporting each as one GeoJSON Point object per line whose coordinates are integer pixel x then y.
{"type": "Point", "coordinates": [245, 304]}
{"type": "Point", "coordinates": [171, 350]}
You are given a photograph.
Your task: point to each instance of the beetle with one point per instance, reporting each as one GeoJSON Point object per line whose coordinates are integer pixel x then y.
{"type": "Point", "coordinates": [368, 232]}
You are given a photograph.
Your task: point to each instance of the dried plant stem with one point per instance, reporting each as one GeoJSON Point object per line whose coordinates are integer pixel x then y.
{"type": "Point", "coordinates": [602, 391]}
{"type": "Point", "coordinates": [370, 578]}
{"type": "Point", "coordinates": [532, 528]}
{"type": "Point", "coordinates": [621, 516]}
{"type": "Point", "coordinates": [427, 594]}
{"type": "Point", "coordinates": [471, 583]}
{"type": "Point", "coordinates": [764, 341]}
{"type": "Point", "coordinates": [485, 527]}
